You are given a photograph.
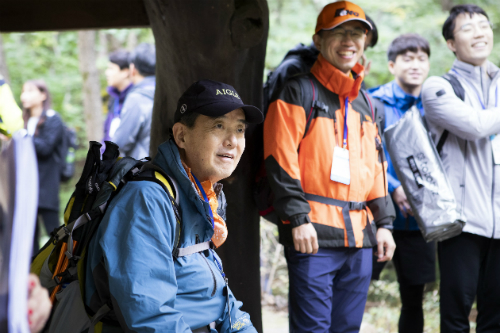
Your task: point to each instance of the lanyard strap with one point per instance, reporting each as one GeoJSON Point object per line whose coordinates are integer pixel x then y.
{"type": "Point", "coordinates": [477, 92]}
{"type": "Point", "coordinates": [205, 198]}
{"type": "Point", "coordinates": [346, 104]}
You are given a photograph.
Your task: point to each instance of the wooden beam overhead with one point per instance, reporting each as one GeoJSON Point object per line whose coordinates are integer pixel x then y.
{"type": "Point", "coordinates": [45, 15]}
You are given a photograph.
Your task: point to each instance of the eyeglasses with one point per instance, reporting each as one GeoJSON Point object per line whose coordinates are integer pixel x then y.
{"type": "Point", "coordinates": [340, 33]}
{"type": "Point", "coordinates": [469, 28]}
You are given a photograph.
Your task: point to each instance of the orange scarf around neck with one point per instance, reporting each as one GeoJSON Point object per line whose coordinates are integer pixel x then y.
{"type": "Point", "coordinates": [220, 227]}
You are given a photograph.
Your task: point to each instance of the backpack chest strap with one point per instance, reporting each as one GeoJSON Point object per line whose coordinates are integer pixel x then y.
{"type": "Point", "coordinates": [188, 250]}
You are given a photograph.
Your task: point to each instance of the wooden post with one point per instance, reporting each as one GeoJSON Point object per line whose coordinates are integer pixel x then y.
{"type": "Point", "coordinates": [92, 103]}
{"type": "Point", "coordinates": [223, 41]}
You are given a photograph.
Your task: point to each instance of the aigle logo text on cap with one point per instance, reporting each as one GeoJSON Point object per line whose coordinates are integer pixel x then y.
{"type": "Point", "coordinates": [227, 92]}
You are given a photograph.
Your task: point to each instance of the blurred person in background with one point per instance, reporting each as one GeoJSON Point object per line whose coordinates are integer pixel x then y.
{"type": "Point", "coordinates": [119, 85]}
{"type": "Point", "coordinates": [46, 127]}
{"type": "Point", "coordinates": [414, 258]}
{"type": "Point", "coordinates": [133, 133]}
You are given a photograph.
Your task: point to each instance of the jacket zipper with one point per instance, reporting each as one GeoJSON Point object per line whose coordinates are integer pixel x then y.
{"type": "Point", "coordinates": [493, 201]}
{"type": "Point", "coordinates": [210, 268]}
{"type": "Point", "coordinates": [212, 272]}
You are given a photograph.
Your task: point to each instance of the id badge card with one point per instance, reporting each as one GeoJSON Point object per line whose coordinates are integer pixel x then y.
{"type": "Point", "coordinates": [495, 147]}
{"type": "Point", "coordinates": [341, 172]}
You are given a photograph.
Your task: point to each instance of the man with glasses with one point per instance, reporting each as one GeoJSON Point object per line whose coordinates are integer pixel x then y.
{"type": "Point", "coordinates": [328, 179]}
{"type": "Point", "coordinates": [467, 129]}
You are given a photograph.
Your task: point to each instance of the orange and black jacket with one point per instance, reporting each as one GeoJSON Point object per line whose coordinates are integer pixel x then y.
{"type": "Point", "coordinates": [298, 167]}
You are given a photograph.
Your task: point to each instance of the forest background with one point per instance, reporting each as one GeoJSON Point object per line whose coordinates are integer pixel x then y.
{"type": "Point", "coordinates": [62, 60]}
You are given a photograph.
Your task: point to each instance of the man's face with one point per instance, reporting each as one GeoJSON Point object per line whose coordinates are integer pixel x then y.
{"type": "Point", "coordinates": [116, 76]}
{"type": "Point", "coordinates": [473, 39]}
{"type": "Point", "coordinates": [343, 46]}
{"type": "Point", "coordinates": [411, 68]}
{"type": "Point", "coordinates": [213, 147]}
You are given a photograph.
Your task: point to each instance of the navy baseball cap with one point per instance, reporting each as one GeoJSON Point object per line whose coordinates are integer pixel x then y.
{"type": "Point", "coordinates": [214, 99]}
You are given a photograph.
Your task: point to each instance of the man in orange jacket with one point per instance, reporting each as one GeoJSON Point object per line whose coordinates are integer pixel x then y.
{"type": "Point", "coordinates": [329, 179]}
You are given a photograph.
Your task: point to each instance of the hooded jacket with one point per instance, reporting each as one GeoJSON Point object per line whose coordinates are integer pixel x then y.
{"type": "Point", "coordinates": [396, 103]}
{"type": "Point", "coordinates": [343, 215]}
{"type": "Point", "coordinates": [130, 258]}
{"type": "Point", "coordinates": [467, 152]}
{"type": "Point", "coordinates": [133, 133]}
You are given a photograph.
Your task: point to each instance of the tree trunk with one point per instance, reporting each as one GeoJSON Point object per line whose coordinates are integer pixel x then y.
{"type": "Point", "coordinates": [92, 104]}
{"type": "Point", "coordinates": [4, 71]}
{"type": "Point", "coordinates": [223, 41]}
{"type": "Point", "coordinates": [446, 5]}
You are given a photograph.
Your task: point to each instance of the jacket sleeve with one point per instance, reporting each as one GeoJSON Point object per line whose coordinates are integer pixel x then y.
{"type": "Point", "coordinates": [132, 119]}
{"type": "Point", "coordinates": [379, 200]}
{"type": "Point", "coordinates": [283, 131]}
{"type": "Point", "coordinates": [11, 118]}
{"type": "Point", "coordinates": [49, 137]}
{"type": "Point", "coordinates": [138, 259]}
{"type": "Point", "coordinates": [240, 320]}
{"type": "Point", "coordinates": [444, 108]}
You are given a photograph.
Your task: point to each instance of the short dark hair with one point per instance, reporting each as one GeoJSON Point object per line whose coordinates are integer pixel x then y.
{"type": "Point", "coordinates": [144, 59]}
{"type": "Point", "coordinates": [189, 119]}
{"type": "Point", "coordinates": [374, 32]}
{"type": "Point", "coordinates": [449, 24]}
{"type": "Point", "coordinates": [120, 58]}
{"type": "Point", "coordinates": [405, 43]}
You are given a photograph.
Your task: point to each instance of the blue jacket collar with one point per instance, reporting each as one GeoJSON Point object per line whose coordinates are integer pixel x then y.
{"type": "Point", "coordinates": [392, 94]}
{"type": "Point", "coordinates": [169, 159]}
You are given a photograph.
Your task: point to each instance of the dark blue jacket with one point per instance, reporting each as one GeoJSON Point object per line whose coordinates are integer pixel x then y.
{"type": "Point", "coordinates": [396, 103]}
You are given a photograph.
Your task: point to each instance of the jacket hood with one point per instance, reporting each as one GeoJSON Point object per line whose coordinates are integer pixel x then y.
{"type": "Point", "coordinates": [392, 94]}
{"type": "Point", "coordinates": [336, 81]}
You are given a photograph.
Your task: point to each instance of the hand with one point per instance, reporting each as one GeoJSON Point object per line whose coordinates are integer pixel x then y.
{"type": "Point", "coordinates": [401, 200]}
{"type": "Point", "coordinates": [39, 304]}
{"type": "Point", "coordinates": [367, 64]}
{"type": "Point", "coordinates": [305, 238]}
{"type": "Point", "coordinates": [385, 245]}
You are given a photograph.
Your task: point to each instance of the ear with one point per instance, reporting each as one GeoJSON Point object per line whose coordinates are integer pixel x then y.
{"type": "Point", "coordinates": [317, 41]}
{"type": "Point", "coordinates": [391, 65]}
{"type": "Point", "coordinates": [132, 69]}
{"type": "Point", "coordinates": [179, 130]}
{"type": "Point", "coordinates": [451, 45]}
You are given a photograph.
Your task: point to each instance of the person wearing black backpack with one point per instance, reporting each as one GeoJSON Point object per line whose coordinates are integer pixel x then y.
{"type": "Point", "coordinates": [152, 260]}
{"type": "Point", "coordinates": [133, 133]}
{"type": "Point", "coordinates": [324, 161]}
{"type": "Point", "coordinates": [47, 129]}
{"type": "Point", "coordinates": [467, 130]}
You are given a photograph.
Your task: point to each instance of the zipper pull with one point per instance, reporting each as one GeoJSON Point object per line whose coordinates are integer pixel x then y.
{"type": "Point", "coordinates": [225, 292]}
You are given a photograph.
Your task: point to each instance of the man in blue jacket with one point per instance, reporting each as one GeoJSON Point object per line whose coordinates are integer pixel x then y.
{"type": "Point", "coordinates": [151, 289]}
{"type": "Point", "coordinates": [414, 259]}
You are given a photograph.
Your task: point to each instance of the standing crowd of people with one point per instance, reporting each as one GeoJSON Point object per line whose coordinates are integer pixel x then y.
{"type": "Point", "coordinates": [338, 202]}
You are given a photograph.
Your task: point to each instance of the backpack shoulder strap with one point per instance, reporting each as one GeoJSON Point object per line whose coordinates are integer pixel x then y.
{"type": "Point", "coordinates": [309, 96]}
{"type": "Point", "coordinates": [456, 85]}
{"type": "Point", "coordinates": [460, 92]}
{"type": "Point", "coordinates": [151, 172]}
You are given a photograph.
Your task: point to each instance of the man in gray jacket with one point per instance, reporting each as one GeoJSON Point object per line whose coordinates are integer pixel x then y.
{"type": "Point", "coordinates": [470, 262]}
{"type": "Point", "coordinates": [133, 133]}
